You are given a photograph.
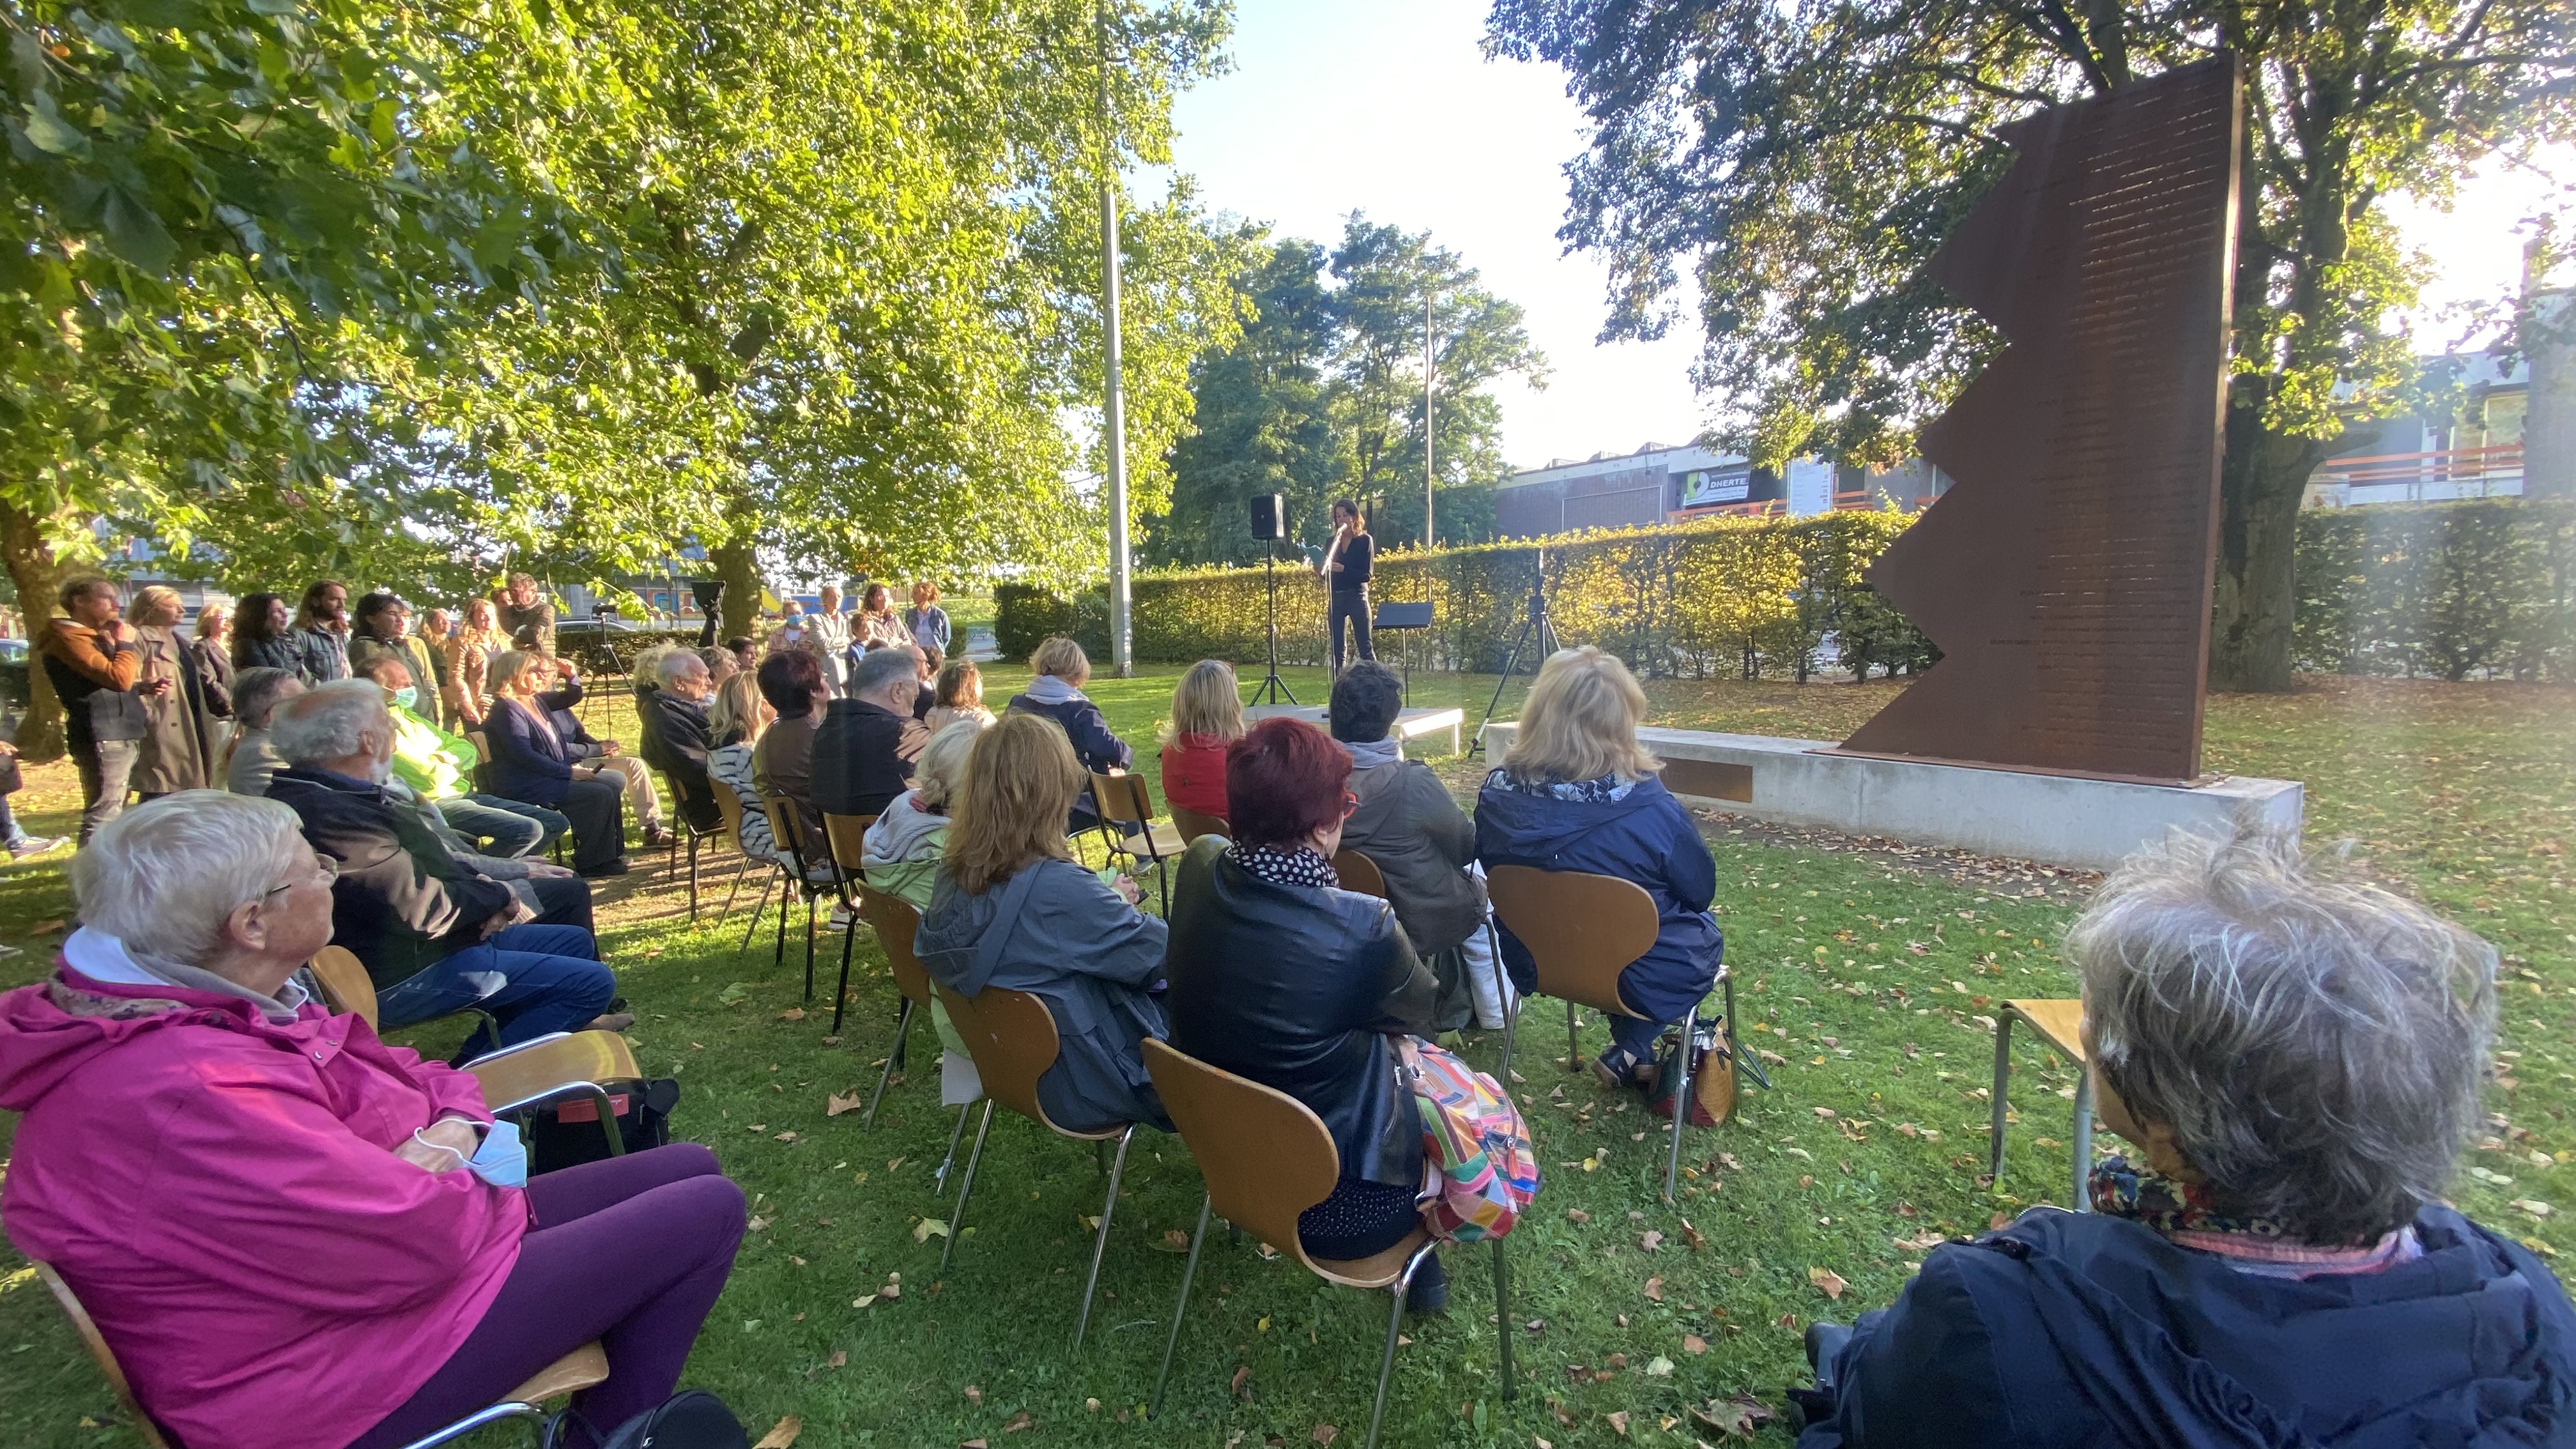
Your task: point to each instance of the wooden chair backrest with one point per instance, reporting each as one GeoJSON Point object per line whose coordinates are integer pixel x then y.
{"type": "Point", "coordinates": [1122, 798]}
{"type": "Point", "coordinates": [96, 1343]}
{"type": "Point", "coordinates": [1194, 824]}
{"type": "Point", "coordinates": [1581, 929]}
{"type": "Point", "coordinates": [784, 831]}
{"type": "Point", "coordinates": [848, 836]}
{"type": "Point", "coordinates": [729, 805]}
{"type": "Point", "coordinates": [1011, 1035]}
{"type": "Point", "coordinates": [482, 746]}
{"type": "Point", "coordinates": [1359, 873]}
{"type": "Point", "coordinates": [896, 923]}
{"type": "Point", "coordinates": [344, 981]}
{"type": "Point", "coordinates": [1265, 1156]}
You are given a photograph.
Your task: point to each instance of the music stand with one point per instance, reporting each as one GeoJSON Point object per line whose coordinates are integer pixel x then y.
{"type": "Point", "coordinates": [1403, 619]}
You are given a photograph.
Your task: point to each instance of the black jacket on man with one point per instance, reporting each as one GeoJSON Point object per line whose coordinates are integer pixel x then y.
{"type": "Point", "coordinates": [676, 743]}
{"type": "Point", "coordinates": [863, 756]}
{"type": "Point", "coordinates": [1299, 988]}
{"type": "Point", "coordinates": [402, 902]}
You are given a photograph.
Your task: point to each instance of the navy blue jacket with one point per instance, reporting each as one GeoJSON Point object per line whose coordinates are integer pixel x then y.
{"type": "Point", "coordinates": [529, 764]}
{"type": "Point", "coordinates": [1099, 750]}
{"type": "Point", "coordinates": [1647, 838]}
{"type": "Point", "coordinates": [2080, 1330]}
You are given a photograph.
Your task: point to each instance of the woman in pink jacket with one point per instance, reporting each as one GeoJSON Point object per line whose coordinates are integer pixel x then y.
{"type": "Point", "coordinates": [293, 1235]}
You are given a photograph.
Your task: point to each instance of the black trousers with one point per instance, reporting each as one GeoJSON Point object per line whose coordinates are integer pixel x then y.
{"type": "Point", "coordinates": [597, 810]}
{"type": "Point", "coordinates": [564, 901]}
{"type": "Point", "coordinates": [1351, 604]}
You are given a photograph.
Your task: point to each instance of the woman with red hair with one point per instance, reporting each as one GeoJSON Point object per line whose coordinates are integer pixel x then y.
{"type": "Point", "coordinates": [1280, 976]}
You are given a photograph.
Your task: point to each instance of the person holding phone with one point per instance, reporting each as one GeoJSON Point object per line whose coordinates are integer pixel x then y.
{"type": "Point", "coordinates": [1346, 570]}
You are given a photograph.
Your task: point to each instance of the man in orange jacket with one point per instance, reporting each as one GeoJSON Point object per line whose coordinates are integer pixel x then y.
{"type": "Point", "coordinates": [90, 658]}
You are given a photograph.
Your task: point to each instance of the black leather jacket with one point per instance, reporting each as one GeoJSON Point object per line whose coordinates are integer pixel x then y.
{"type": "Point", "coordinates": [1298, 988]}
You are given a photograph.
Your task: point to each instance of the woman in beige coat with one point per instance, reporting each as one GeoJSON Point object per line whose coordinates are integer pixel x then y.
{"type": "Point", "coordinates": [178, 736]}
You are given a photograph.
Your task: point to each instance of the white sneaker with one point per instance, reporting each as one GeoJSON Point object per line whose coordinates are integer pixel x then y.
{"type": "Point", "coordinates": [840, 919]}
{"type": "Point", "coordinates": [37, 845]}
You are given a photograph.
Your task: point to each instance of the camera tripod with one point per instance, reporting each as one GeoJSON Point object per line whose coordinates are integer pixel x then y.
{"type": "Point", "coordinates": [1536, 626]}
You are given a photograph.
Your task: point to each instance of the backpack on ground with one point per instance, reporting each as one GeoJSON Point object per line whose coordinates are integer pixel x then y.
{"type": "Point", "coordinates": [689, 1419]}
{"type": "Point", "coordinates": [1479, 1172]}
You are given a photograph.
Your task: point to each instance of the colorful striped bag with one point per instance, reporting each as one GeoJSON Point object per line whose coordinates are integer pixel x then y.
{"type": "Point", "coordinates": [1478, 1171]}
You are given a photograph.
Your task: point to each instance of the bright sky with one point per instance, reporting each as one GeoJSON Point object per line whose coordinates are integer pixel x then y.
{"type": "Point", "coordinates": [1336, 105]}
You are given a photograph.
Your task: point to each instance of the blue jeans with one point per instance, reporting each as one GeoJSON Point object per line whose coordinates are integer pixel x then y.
{"type": "Point", "coordinates": [499, 829]}
{"type": "Point", "coordinates": [532, 979]}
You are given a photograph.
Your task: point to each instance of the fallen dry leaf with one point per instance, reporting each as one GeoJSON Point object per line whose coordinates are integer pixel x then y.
{"type": "Point", "coordinates": [755, 1225]}
{"type": "Point", "coordinates": [1577, 1215]}
{"type": "Point", "coordinates": [1019, 1421]}
{"type": "Point", "coordinates": [1659, 1367]}
{"type": "Point", "coordinates": [835, 1104]}
{"type": "Point", "coordinates": [1655, 1289]}
{"type": "Point", "coordinates": [793, 1013]}
{"type": "Point", "coordinates": [1619, 1422]}
{"type": "Point", "coordinates": [781, 1435]}
{"type": "Point", "coordinates": [972, 1444]}
{"type": "Point", "coordinates": [922, 1230]}
{"type": "Point", "coordinates": [1234, 1386]}
{"type": "Point", "coordinates": [1326, 1433]}
{"type": "Point", "coordinates": [1650, 1240]}
{"type": "Point", "coordinates": [1826, 1280]}
{"type": "Point", "coordinates": [975, 1395]}
{"type": "Point", "coordinates": [45, 928]}
{"type": "Point", "coordinates": [1693, 1343]}
{"type": "Point", "coordinates": [1692, 1236]}
{"type": "Point", "coordinates": [1737, 1417]}
{"type": "Point", "coordinates": [1175, 1241]}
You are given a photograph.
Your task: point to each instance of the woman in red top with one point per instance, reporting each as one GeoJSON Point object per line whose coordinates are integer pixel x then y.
{"type": "Point", "coordinates": [1207, 715]}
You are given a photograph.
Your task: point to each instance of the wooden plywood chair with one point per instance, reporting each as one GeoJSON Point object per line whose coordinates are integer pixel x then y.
{"type": "Point", "coordinates": [729, 807]}
{"type": "Point", "coordinates": [2059, 1024]}
{"type": "Point", "coordinates": [1125, 800]}
{"type": "Point", "coordinates": [1268, 1158]}
{"type": "Point", "coordinates": [516, 1080]}
{"type": "Point", "coordinates": [1582, 930]}
{"type": "Point", "coordinates": [689, 834]}
{"type": "Point", "coordinates": [796, 858]}
{"type": "Point", "coordinates": [577, 1370]}
{"type": "Point", "coordinates": [896, 924]}
{"type": "Point", "coordinates": [1193, 823]}
{"type": "Point", "coordinates": [845, 838]}
{"type": "Point", "coordinates": [1012, 1037]}
{"type": "Point", "coordinates": [1359, 873]}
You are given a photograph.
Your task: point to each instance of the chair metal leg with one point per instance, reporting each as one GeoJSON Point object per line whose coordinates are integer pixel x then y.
{"type": "Point", "coordinates": [849, 938]}
{"type": "Point", "coordinates": [2003, 1070]}
{"type": "Point", "coordinates": [693, 877]}
{"type": "Point", "coordinates": [1503, 1320]}
{"type": "Point", "coordinates": [2082, 1202]}
{"type": "Point", "coordinates": [731, 896]}
{"type": "Point", "coordinates": [939, 1179]}
{"type": "Point", "coordinates": [756, 911]}
{"type": "Point", "coordinates": [1744, 1063]}
{"type": "Point", "coordinates": [1681, 1102]}
{"type": "Point", "coordinates": [1573, 1044]}
{"type": "Point", "coordinates": [787, 889]}
{"type": "Point", "coordinates": [1394, 1320]}
{"type": "Point", "coordinates": [902, 1019]}
{"type": "Point", "coordinates": [1198, 1238]}
{"type": "Point", "coordinates": [1511, 1028]}
{"type": "Point", "coordinates": [957, 1219]}
{"type": "Point", "coordinates": [809, 947]}
{"type": "Point", "coordinates": [1100, 1244]}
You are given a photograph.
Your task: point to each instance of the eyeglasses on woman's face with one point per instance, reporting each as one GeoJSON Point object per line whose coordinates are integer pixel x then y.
{"type": "Point", "coordinates": [1350, 804]}
{"type": "Point", "coordinates": [326, 869]}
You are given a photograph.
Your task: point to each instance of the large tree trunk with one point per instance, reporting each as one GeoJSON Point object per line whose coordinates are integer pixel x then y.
{"type": "Point", "coordinates": [2261, 483]}
{"type": "Point", "coordinates": [38, 575]}
{"type": "Point", "coordinates": [738, 565]}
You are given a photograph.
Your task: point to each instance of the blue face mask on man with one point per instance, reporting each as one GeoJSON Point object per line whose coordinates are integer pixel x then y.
{"type": "Point", "coordinates": [405, 695]}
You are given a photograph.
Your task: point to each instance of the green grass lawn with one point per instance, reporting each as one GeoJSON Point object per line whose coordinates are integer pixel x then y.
{"type": "Point", "coordinates": [1864, 975]}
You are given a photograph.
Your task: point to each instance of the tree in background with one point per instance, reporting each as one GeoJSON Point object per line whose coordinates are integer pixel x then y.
{"type": "Point", "coordinates": [1322, 395]}
{"type": "Point", "coordinates": [1805, 159]}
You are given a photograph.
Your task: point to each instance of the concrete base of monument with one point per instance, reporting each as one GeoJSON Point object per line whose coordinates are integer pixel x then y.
{"type": "Point", "coordinates": [2058, 819]}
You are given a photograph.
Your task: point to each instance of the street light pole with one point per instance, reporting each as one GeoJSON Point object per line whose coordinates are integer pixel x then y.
{"type": "Point", "coordinates": [1430, 475]}
{"type": "Point", "coordinates": [1114, 406]}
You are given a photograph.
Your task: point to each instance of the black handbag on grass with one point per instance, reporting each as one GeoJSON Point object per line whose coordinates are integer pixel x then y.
{"type": "Point", "coordinates": [689, 1419]}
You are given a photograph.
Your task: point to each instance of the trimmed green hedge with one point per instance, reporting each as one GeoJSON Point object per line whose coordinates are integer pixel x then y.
{"type": "Point", "coordinates": [2450, 590]}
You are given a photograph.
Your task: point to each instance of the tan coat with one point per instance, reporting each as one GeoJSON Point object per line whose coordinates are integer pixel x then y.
{"type": "Point", "coordinates": [177, 738]}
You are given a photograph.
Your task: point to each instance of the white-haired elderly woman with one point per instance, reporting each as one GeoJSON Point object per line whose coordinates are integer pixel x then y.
{"type": "Point", "coordinates": [2299, 1063]}
{"type": "Point", "coordinates": [252, 1196]}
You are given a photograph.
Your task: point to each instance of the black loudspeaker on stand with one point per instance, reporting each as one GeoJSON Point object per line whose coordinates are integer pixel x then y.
{"type": "Point", "coordinates": [1270, 524]}
{"type": "Point", "coordinates": [1536, 628]}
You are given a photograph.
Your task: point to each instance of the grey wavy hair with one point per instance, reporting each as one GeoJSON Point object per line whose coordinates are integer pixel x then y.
{"type": "Point", "coordinates": [2317, 1046]}
{"type": "Point", "coordinates": [330, 722]}
{"type": "Point", "coordinates": [880, 667]}
{"type": "Point", "coordinates": [163, 876]}
{"type": "Point", "coordinates": [258, 692]}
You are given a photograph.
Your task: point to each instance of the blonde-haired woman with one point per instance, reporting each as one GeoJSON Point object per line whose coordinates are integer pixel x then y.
{"type": "Point", "coordinates": [1056, 694]}
{"type": "Point", "coordinates": [178, 746]}
{"type": "Point", "coordinates": [1207, 716]}
{"type": "Point", "coordinates": [469, 662]}
{"type": "Point", "coordinates": [1577, 792]}
{"type": "Point", "coordinates": [534, 764]}
{"type": "Point", "coordinates": [925, 620]}
{"type": "Point", "coordinates": [735, 722]}
{"type": "Point", "coordinates": [1064, 936]}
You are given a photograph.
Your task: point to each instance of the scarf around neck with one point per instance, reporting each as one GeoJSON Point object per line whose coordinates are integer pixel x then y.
{"type": "Point", "coordinates": [1295, 866]}
{"type": "Point", "coordinates": [2191, 1215]}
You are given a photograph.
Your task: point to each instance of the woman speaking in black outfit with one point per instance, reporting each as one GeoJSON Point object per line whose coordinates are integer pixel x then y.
{"type": "Point", "coordinates": [1346, 567]}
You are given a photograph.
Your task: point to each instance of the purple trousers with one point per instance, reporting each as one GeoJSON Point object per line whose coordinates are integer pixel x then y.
{"type": "Point", "coordinates": [630, 1251]}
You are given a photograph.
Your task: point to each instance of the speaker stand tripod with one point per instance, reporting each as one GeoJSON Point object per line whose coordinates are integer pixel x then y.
{"type": "Point", "coordinates": [1271, 684]}
{"type": "Point", "coordinates": [1536, 626]}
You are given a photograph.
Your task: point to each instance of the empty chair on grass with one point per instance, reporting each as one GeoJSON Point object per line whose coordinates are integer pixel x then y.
{"type": "Point", "coordinates": [1280, 976]}
{"type": "Point", "coordinates": [314, 1246]}
{"type": "Point", "coordinates": [1064, 936]}
{"type": "Point", "coordinates": [1576, 792]}
{"type": "Point", "coordinates": [1411, 829]}
{"type": "Point", "coordinates": [436, 935]}
{"type": "Point", "coordinates": [1207, 716]}
{"type": "Point", "coordinates": [2299, 1063]}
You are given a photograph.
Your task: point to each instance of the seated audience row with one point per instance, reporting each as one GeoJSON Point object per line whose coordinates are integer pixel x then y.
{"type": "Point", "coordinates": [336, 1201]}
